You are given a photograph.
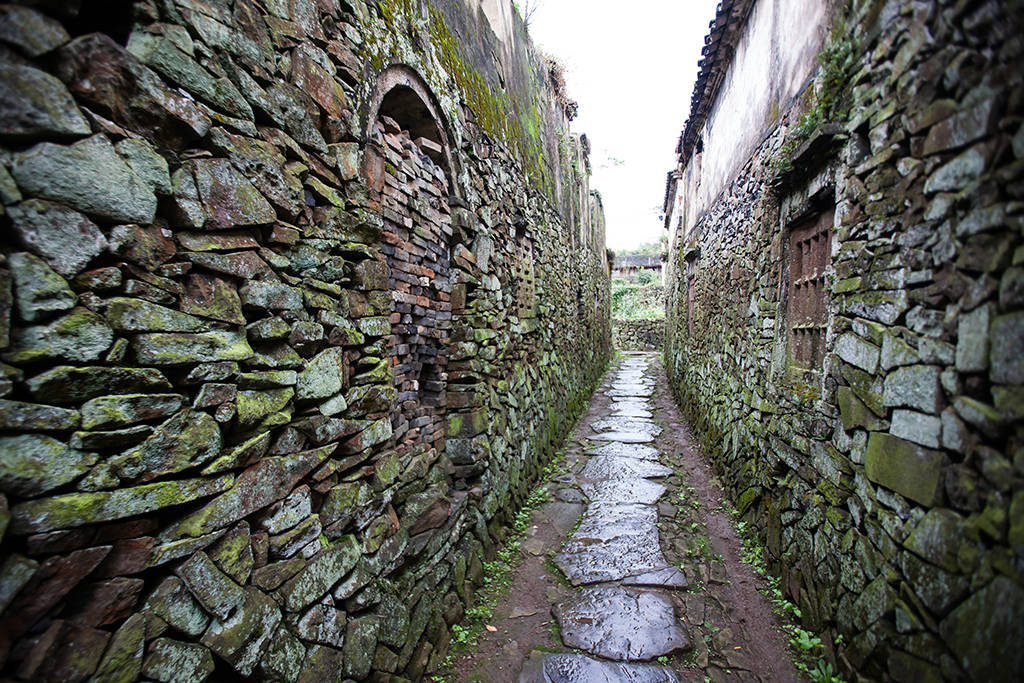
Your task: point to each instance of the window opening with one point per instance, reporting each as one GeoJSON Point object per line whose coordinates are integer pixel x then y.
{"type": "Point", "coordinates": [809, 247]}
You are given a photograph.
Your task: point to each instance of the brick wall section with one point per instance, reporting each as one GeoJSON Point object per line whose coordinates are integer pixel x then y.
{"type": "Point", "coordinates": [887, 477]}
{"type": "Point", "coordinates": [267, 393]}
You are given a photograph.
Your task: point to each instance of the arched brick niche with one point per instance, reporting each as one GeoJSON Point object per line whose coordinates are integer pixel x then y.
{"type": "Point", "coordinates": [408, 168]}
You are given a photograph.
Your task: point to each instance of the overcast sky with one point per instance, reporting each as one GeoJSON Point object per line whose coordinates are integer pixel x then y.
{"type": "Point", "coordinates": [631, 66]}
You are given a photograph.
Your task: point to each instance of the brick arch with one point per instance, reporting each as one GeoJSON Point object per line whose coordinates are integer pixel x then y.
{"type": "Point", "coordinates": [408, 169]}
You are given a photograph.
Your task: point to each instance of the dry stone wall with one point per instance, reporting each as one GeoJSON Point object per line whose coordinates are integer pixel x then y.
{"type": "Point", "coordinates": [638, 334]}
{"type": "Point", "coordinates": [876, 440]}
{"type": "Point", "coordinates": [296, 301]}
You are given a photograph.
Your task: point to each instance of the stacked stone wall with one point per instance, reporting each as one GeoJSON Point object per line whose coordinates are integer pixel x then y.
{"type": "Point", "coordinates": [288, 327]}
{"type": "Point", "coordinates": [887, 478]}
{"type": "Point", "coordinates": [640, 334]}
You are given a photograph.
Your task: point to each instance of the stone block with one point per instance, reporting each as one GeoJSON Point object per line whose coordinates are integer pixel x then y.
{"type": "Point", "coordinates": [857, 352]}
{"type": "Point", "coordinates": [65, 238]}
{"type": "Point", "coordinates": [34, 104]}
{"type": "Point", "coordinates": [1006, 343]}
{"type": "Point", "coordinates": [914, 386]}
{"type": "Point", "coordinates": [904, 467]}
{"type": "Point", "coordinates": [917, 427]}
{"type": "Point", "coordinates": [985, 632]}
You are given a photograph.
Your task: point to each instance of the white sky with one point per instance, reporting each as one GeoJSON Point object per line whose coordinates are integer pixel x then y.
{"type": "Point", "coordinates": [631, 66]}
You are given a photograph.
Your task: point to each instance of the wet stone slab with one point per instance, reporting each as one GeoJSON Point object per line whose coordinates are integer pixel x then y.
{"type": "Point", "coordinates": [629, 390]}
{"type": "Point", "coordinates": [613, 541]}
{"type": "Point", "coordinates": [669, 577]}
{"type": "Point", "coordinates": [564, 668]}
{"type": "Point", "coordinates": [631, 410]}
{"type": "Point", "coordinates": [621, 624]}
{"type": "Point", "coordinates": [613, 466]}
{"type": "Point", "coordinates": [625, 490]}
{"type": "Point", "coordinates": [626, 424]}
{"type": "Point", "coordinates": [625, 450]}
{"type": "Point", "coordinates": [624, 437]}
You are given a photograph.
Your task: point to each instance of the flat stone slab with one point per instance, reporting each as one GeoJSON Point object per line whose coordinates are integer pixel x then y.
{"type": "Point", "coordinates": [613, 466]}
{"type": "Point", "coordinates": [625, 450]}
{"type": "Point", "coordinates": [626, 424]}
{"type": "Point", "coordinates": [613, 541]}
{"type": "Point", "coordinates": [669, 577]}
{"type": "Point", "coordinates": [542, 667]}
{"type": "Point", "coordinates": [626, 490]}
{"type": "Point", "coordinates": [631, 410]}
{"type": "Point", "coordinates": [623, 437]}
{"type": "Point", "coordinates": [632, 390]}
{"type": "Point", "coordinates": [621, 624]}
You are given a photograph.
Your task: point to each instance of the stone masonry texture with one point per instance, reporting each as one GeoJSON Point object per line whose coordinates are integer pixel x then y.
{"type": "Point", "coordinates": [297, 299]}
{"type": "Point", "coordinates": [882, 465]}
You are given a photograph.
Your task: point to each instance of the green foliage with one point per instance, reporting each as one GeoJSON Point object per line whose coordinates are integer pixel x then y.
{"type": "Point", "coordinates": [634, 301]}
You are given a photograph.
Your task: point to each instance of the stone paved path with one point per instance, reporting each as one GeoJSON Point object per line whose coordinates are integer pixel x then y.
{"type": "Point", "coordinates": [650, 589]}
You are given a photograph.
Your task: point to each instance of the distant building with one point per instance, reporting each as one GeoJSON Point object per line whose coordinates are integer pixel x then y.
{"type": "Point", "coordinates": [627, 266]}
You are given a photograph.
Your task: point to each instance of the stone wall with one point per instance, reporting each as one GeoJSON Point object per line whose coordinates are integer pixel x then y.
{"type": "Point", "coordinates": [845, 331]}
{"type": "Point", "coordinates": [641, 334]}
{"type": "Point", "coordinates": [296, 300]}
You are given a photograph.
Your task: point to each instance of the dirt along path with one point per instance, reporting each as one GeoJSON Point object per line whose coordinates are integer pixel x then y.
{"type": "Point", "coordinates": [631, 570]}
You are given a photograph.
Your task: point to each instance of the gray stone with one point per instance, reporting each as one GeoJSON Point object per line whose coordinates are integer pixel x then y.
{"type": "Point", "coordinates": [323, 377]}
{"type": "Point", "coordinates": [188, 439]}
{"type": "Point", "coordinates": [614, 540]}
{"type": "Point", "coordinates": [611, 466]}
{"type": "Point", "coordinates": [669, 577]}
{"type": "Point", "coordinates": [216, 591]}
{"type": "Point", "coordinates": [32, 417]}
{"type": "Point", "coordinates": [321, 572]}
{"type": "Point", "coordinates": [172, 661]}
{"type": "Point", "coordinates": [33, 33]}
{"type": "Point", "coordinates": [565, 668]}
{"type": "Point", "coordinates": [168, 348]}
{"type": "Point", "coordinates": [972, 340]}
{"type": "Point", "coordinates": [625, 490]}
{"type": "Point", "coordinates": [858, 352]}
{"type": "Point", "coordinates": [271, 296]}
{"type": "Point", "coordinates": [624, 437]}
{"type": "Point", "coordinates": [289, 512]}
{"type": "Point", "coordinates": [914, 386]}
{"type": "Point", "coordinates": [917, 427]}
{"type": "Point", "coordinates": [896, 351]}
{"type": "Point", "coordinates": [88, 176]}
{"type": "Point", "coordinates": [360, 644]}
{"type": "Point", "coordinates": [172, 602]}
{"type": "Point", "coordinates": [65, 238]}
{"type": "Point", "coordinates": [959, 172]}
{"type": "Point", "coordinates": [625, 424]}
{"type": "Point", "coordinates": [32, 464]}
{"type": "Point", "coordinates": [136, 315]}
{"type": "Point", "coordinates": [34, 104]}
{"type": "Point", "coordinates": [954, 432]}
{"type": "Point", "coordinates": [80, 336]}
{"type": "Point", "coordinates": [904, 467]}
{"type": "Point", "coordinates": [620, 624]}
{"type": "Point", "coordinates": [65, 384]}
{"type": "Point", "coordinates": [1006, 341]}
{"type": "Point", "coordinates": [118, 411]}
{"type": "Point", "coordinates": [228, 200]}
{"type": "Point", "coordinates": [38, 290]}
{"type": "Point", "coordinates": [241, 639]}
{"type": "Point", "coordinates": [937, 538]}
{"type": "Point", "coordinates": [626, 450]}
{"type": "Point", "coordinates": [985, 632]}
{"type": "Point", "coordinates": [146, 163]}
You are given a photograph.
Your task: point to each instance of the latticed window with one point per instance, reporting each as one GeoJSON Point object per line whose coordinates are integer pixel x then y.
{"type": "Point", "coordinates": [526, 306]}
{"type": "Point", "coordinates": [806, 313]}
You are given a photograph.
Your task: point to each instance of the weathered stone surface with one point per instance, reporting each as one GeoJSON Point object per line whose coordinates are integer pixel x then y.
{"type": "Point", "coordinates": [226, 198]}
{"type": "Point", "coordinates": [188, 439]}
{"type": "Point", "coordinates": [275, 296]}
{"type": "Point", "coordinates": [565, 668]}
{"type": "Point", "coordinates": [212, 297]}
{"type": "Point", "coordinates": [38, 290]}
{"type": "Point", "coordinates": [914, 386]}
{"type": "Point", "coordinates": [146, 164]}
{"type": "Point", "coordinates": [620, 624]}
{"type": "Point", "coordinates": [982, 632]}
{"type": "Point", "coordinates": [78, 509]}
{"type": "Point", "coordinates": [69, 174]}
{"type": "Point", "coordinates": [972, 340]}
{"type": "Point", "coordinates": [323, 377]}
{"type": "Point", "coordinates": [670, 577]}
{"type": "Point", "coordinates": [80, 336]}
{"type": "Point", "coordinates": [104, 74]}
{"type": "Point", "coordinates": [31, 464]}
{"type": "Point", "coordinates": [917, 427]}
{"type": "Point", "coordinates": [122, 661]}
{"type": "Point", "coordinates": [172, 602]}
{"type": "Point", "coordinates": [33, 33]}
{"type": "Point", "coordinates": [66, 239]}
{"type": "Point", "coordinates": [613, 541]}
{"type": "Point", "coordinates": [161, 348]}
{"type": "Point", "coordinates": [904, 467]}
{"type": "Point", "coordinates": [172, 661]}
{"type": "Point", "coordinates": [323, 570]}
{"type": "Point", "coordinates": [360, 643]}
{"type": "Point", "coordinates": [255, 406]}
{"type": "Point", "coordinates": [858, 352]}
{"type": "Point", "coordinates": [626, 450]}
{"type": "Point", "coordinates": [215, 590]}
{"type": "Point", "coordinates": [32, 417]}
{"type": "Point", "coordinates": [612, 467]}
{"type": "Point", "coordinates": [117, 411]}
{"type": "Point", "coordinates": [34, 104]}
{"type": "Point", "coordinates": [625, 490]}
{"type": "Point", "coordinates": [262, 484]}
{"type": "Point", "coordinates": [241, 639]}
{"type": "Point", "coordinates": [66, 384]}
{"type": "Point", "coordinates": [1007, 349]}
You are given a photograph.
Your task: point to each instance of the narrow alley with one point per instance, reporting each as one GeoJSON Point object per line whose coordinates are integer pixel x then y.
{"type": "Point", "coordinates": [631, 570]}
